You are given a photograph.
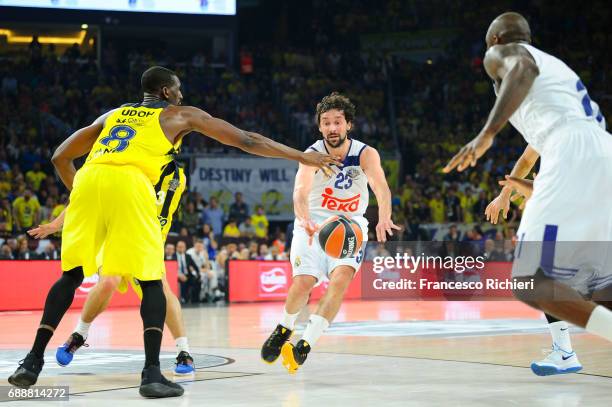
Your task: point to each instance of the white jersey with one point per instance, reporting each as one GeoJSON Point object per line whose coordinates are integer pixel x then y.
{"type": "Point", "coordinates": [346, 193]}
{"type": "Point", "coordinates": [556, 98]}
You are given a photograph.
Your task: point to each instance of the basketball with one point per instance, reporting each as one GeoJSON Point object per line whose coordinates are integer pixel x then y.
{"type": "Point", "coordinates": [340, 237]}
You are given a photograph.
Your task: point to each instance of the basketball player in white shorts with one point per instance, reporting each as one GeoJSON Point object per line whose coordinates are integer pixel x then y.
{"type": "Point", "coordinates": [316, 197]}
{"type": "Point", "coordinates": [562, 358]}
{"type": "Point", "coordinates": [566, 229]}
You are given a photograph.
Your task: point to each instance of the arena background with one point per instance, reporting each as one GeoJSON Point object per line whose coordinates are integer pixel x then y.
{"type": "Point", "coordinates": [413, 69]}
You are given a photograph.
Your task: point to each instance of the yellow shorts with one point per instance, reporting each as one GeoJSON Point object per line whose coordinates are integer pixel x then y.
{"type": "Point", "coordinates": [114, 207]}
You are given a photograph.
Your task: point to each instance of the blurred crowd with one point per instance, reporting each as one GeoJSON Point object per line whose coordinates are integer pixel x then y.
{"type": "Point", "coordinates": [422, 110]}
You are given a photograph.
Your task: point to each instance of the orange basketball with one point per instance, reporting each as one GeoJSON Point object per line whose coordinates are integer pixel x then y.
{"type": "Point", "coordinates": [340, 237]}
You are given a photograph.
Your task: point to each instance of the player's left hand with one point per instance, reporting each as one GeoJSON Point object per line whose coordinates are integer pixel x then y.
{"type": "Point", "coordinates": [470, 153]}
{"type": "Point", "coordinates": [523, 187]}
{"type": "Point", "coordinates": [384, 227]}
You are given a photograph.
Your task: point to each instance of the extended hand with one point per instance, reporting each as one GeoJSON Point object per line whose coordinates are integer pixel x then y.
{"type": "Point", "coordinates": [523, 187]}
{"type": "Point", "coordinates": [45, 230]}
{"type": "Point", "coordinates": [384, 227]}
{"type": "Point", "coordinates": [500, 204]}
{"type": "Point", "coordinates": [470, 153]}
{"type": "Point", "coordinates": [322, 161]}
{"type": "Point", "coordinates": [311, 228]}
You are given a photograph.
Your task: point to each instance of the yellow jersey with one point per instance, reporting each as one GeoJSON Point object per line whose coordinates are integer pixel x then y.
{"type": "Point", "coordinates": [133, 136]}
{"type": "Point", "coordinates": [169, 189]}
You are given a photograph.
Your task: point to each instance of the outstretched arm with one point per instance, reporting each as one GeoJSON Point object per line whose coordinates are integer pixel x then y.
{"type": "Point", "coordinates": [75, 146]}
{"type": "Point", "coordinates": [254, 143]}
{"type": "Point", "coordinates": [370, 163]}
{"type": "Point", "coordinates": [47, 229]}
{"type": "Point", "coordinates": [521, 169]}
{"type": "Point", "coordinates": [514, 68]}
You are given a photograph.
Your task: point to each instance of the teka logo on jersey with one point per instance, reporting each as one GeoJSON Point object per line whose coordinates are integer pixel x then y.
{"type": "Point", "coordinates": [273, 281]}
{"type": "Point", "coordinates": [336, 204]}
{"type": "Point", "coordinates": [88, 283]}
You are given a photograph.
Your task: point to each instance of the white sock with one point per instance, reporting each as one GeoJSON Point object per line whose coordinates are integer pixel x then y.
{"type": "Point", "coordinates": [82, 328]}
{"type": "Point", "coordinates": [600, 322]}
{"type": "Point", "coordinates": [182, 344]}
{"type": "Point", "coordinates": [288, 320]}
{"type": "Point", "coordinates": [560, 335]}
{"type": "Point", "coordinates": [315, 328]}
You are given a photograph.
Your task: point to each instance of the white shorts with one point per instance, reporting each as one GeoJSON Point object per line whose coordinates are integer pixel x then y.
{"type": "Point", "coordinates": [311, 260]}
{"type": "Point", "coordinates": [566, 228]}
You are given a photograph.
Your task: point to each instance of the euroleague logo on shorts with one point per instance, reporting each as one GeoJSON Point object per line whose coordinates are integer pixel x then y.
{"type": "Point", "coordinates": [337, 204]}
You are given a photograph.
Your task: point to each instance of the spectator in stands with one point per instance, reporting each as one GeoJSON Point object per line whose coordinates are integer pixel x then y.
{"type": "Point", "coordinates": [452, 205]}
{"type": "Point", "coordinates": [492, 251]}
{"type": "Point", "coordinates": [238, 209]}
{"type": "Point", "coordinates": [263, 252]}
{"type": "Point", "coordinates": [213, 215]}
{"type": "Point", "coordinates": [208, 238]}
{"type": "Point", "coordinates": [188, 275]}
{"type": "Point", "coordinates": [280, 243]}
{"type": "Point", "coordinates": [190, 218]}
{"type": "Point", "coordinates": [231, 229]}
{"type": "Point", "coordinates": [25, 252]}
{"type": "Point", "coordinates": [50, 252]}
{"type": "Point", "coordinates": [26, 210]}
{"type": "Point", "coordinates": [253, 250]}
{"type": "Point", "coordinates": [508, 250]}
{"type": "Point", "coordinates": [35, 176]}
{"type": "Point", "coordinates": [6, 218]}
{"type": "Point", "coordinates": [169, 252]}
{"type": "Point", "coordinates": [6, 252]}
{"type": "Point", "coordinates": [198, 253]}
{"type": "Point", "coordinates": [260, 222]}
{"type": "Point", "coordinates": [436, 207]}
{"type": "Point", "coordinates": [453, 234]}
{"type": "Point", "coordinates": [246, 229]}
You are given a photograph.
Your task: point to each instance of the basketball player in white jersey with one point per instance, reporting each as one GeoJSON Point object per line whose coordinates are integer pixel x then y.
{"type": "Point", "coordinates": [316, 197]}
{"type": "Point", "coordinates": [572, 194]}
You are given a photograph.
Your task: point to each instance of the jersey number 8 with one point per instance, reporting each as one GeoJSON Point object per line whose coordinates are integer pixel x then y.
{"type": "Point", "coordinates": [121, 134]}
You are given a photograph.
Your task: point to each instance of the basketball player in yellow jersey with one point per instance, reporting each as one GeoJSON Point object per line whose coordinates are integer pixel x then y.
{"type": "Point", "coordinates": [112, 204]}
{"type": "Point", "coordinates": [169, 190]}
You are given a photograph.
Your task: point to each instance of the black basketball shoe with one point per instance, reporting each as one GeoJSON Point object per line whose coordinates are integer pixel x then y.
{"type": "Point", "coordinates": [295, 356]}
{"type": "Point", "coordinates": [155, 385]}
{"type": "Point", "coordinates": [271, 349]}
{"type": "Point", "coordinates": [28, 371]}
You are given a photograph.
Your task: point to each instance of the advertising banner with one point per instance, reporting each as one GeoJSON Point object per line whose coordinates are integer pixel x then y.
{"type": "Point", "coordinates": [262, 181]}
{"type": "Point", "coordinates": [24, 285]}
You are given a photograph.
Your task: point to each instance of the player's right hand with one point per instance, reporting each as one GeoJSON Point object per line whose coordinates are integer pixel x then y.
{"type": "Point", "coordinates": [311, 228]}
{"type": "Point", "coordinates": [324, 162]}
{"type": "Point", "coordinates": [44, 230]}
{"type": "Point", "coordinates": [500, 204]}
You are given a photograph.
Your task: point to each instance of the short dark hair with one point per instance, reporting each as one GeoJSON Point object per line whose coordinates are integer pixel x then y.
{"type": "Point", "coordinates": [338, 101]}
{"type": "Point", "coordinates": [155, 78]}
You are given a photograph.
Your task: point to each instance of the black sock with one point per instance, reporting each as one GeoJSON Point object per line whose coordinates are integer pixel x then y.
{"type": "Point", "coordinates": [43, 336]}
{"type": "Point", "coordinates": [551, 319]}
{"type": "Point", "coordinates": [57, 303]}
{"type": "Point", "coordinates": [153, 313]}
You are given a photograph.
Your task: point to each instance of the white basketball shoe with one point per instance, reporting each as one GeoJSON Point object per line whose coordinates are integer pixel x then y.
{"type": "Point", "coordinates": [556, 362]}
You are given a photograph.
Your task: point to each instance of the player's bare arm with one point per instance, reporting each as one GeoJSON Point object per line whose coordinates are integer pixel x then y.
{"type": "Point", "coordinates": [303, 185]}
{"type": "Point", "coordinates": [514, 71]}
{"type": "Point", "coordinates": [370, 163]}
{"type": "Point", "coordinates": [253, 143]}
{"type": "Point", "coordinates": [521, 169]}
{"type": "Point", "coordinates": [75, 146]}
{"type": "Point", "coordinates": [47, 229]}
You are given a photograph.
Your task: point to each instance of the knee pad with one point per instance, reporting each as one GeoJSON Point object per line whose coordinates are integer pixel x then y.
{"type": "Point", "coordinates": [74, 276]}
